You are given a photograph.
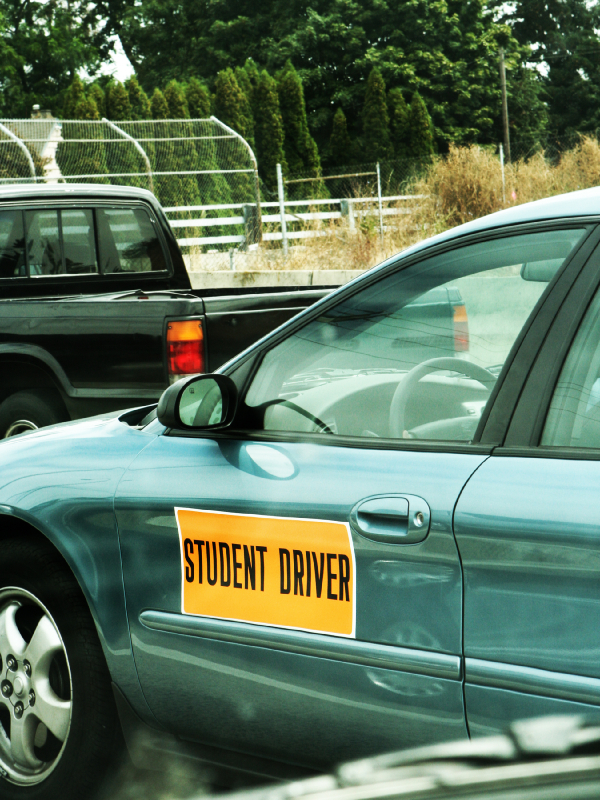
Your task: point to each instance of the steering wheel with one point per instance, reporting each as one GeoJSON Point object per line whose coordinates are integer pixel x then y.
{"type": "Point", "coordinates": [408, 383]}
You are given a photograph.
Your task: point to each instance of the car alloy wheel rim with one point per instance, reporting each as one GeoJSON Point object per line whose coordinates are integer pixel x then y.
{"type": "Point", "coordinates": [35, 689]}
{"type": "Point", "coordinates": [20, 426]}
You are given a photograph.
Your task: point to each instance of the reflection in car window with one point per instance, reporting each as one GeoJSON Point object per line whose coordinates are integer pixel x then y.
{"type": "Point", "coordinates": [12, 245]}
{"type": "Point", "coordinates": [128, 241]}
{"type": "Point", "coordinates": [416, 354]}
{"type": "Point", "coordinates": [61, 242]}
{"type": "Point", "coordinates": [574, 415]}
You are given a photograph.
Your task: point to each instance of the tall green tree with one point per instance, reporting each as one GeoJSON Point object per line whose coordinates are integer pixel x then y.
{"type": "Point", "coordinates": [96, 93]}
{"type": "Point", "coordinates": [138, 100]}
{"type": "Point", "coordinates": [300, 148]}
{"type": "Point", "coordinates": [420, 133]}
{"type": "Point", "coordinates": [118, 106]}
{"type": "Point", "coordinates": [230, 105]}
{"type": "Point", "coordinates": [377, 144]}
{"type": "Point", "coordinates": [74, 94]}
{"type": "Point", "coordinates": [399, 124]}
{"type": "Point", "coordinates": [341, 150]}
{"type": "Point", "coordinates": [185, 158]}
{"type": "Point", "coordinates": [268, 130]}
{"type": "Point", "coordinates": [198, 99]}
{"type": "Point", "coordinates": [167, 187]}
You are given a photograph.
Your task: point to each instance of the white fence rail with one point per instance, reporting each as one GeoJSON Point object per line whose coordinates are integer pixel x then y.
{"type": "Point", "coordinates": [351, 209]}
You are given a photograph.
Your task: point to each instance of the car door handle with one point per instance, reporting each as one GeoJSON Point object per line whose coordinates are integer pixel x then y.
{"type": "Point", "coordinates": [392, 519]}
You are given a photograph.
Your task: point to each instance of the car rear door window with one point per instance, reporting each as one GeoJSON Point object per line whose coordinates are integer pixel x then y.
{"type": "Point", "coordinates": [12, 244]}
{"type": "Point", "coordinates": [128, 242]}
{"type": "Point", "coordinates": [416, 355]}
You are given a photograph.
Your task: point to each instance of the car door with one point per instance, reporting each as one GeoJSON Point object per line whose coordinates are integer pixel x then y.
{"type": "Point", "coordinates": [293, 584]}
{"type": "Point", "coordinates": [528, 529]}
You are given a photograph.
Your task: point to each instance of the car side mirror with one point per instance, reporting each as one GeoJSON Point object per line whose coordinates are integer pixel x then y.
{"type": "Point", "coordinates": [202, 402]}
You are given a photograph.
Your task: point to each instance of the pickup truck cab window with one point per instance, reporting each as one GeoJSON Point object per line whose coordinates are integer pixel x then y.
{"type": "Point", "coordinates": [12, 244]}
{"type": "Point", "coordinates": [60, 242]}
{"type": "Point", "coordinates": [415, 355]}
{"type": "Point", "coordinates": [128, 241]}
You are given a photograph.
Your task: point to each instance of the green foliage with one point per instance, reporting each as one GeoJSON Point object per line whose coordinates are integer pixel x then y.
{"type": "Point", "coordinates": [118, 106]}
{"type": "Point", "coordinates": [86, 108]}
{"type": "Point", "coordinates": [96, 93]}
{"type": "Point", "coordinates": [198, 99]}
{"type": "Point", "coordinates": [377, 145]}
{"type": "Point", "coordinates": [176, 102]}
{"type": "Point", "coordinates": [300, 149]}
{"type": "Point", "coordinates": [399, 124]}
{"type": "Point", "coordinates": [230, 104]}
{"type": "Point", "coordinates": [138, 100]}
{"type": "Point", "coordinates": [158, 105]}
{"type": "Point", "coordinates": [268, 130]}
{"type": "Point", "coordinates": [73, 96]}
{"type": "Point", "coordinates": [420, 134]}
{"type": "Point", "coordinates": [340, 145]}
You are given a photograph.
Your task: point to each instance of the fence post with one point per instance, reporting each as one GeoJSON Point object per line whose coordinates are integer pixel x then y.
{"type": "Point", "coordinates": [282, 209]}
{"type": "Point", "coordinates": [503, 179]}
{"type": "Point", "coordinates": [23, 147]}
{"type": "Point", "coordinates": [137, 146]}
{"type": "Point", "coordinates": [347, 210]}
{"type": "Point", "coordinates": [380, 203]}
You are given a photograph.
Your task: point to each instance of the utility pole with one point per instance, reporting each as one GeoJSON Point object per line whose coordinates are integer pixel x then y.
{"type": "Point", "coordinates": [504, 106]}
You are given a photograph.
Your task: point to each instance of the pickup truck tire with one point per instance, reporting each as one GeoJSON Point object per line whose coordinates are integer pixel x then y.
{"type": "Point", "coordinates": [60, 731]}
{"type": "Point", "coordinates": [28, 410]}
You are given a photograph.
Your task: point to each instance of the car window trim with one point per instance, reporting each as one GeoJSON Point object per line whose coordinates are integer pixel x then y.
{"type": "Point", "coordinates": [525, 430]}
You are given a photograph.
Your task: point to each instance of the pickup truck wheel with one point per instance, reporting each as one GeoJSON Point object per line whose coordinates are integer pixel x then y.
{"type": "Point", "coordinates": [26, 411]}
{"type": "Point", "coordinates": [58, 722]}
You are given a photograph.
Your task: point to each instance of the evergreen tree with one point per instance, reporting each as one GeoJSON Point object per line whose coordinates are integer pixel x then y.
{"type": "Point", "coordinates": [158, 105]}
{"type": "Point", "coordinates": [167, 187]}
{"type": "Point", "coordinates": [118, 106]}
{"type": "Point", "coordinates": [138, 100]}
{"type": "Point", "coordinates": [198, 99]}
{"type": "Point", "coordinates": [399, 123]}
{"type": "Point", "coordinates": [185, 158]}
{"type": "Point", "coordinates": [96, 93]}
{"type": "Point", "coordinates": [230, 103]}
{"type": "Point", "coordinates": [340, 144]}
{"type": "Point", "coordinates": [376, 140]}
{"type": "Point", "coordinates": [176, 102]}
{"type": "Point", "coordinates": [73, 96]}
{"type": "Point", "coordinates": [421, 136]}
{"type": "Point", "coordinates": [83, 157]}
{"type": "Point", "coordinates": [86, 109]}
{"type": "Point", "coordinates": [300, 148]}
{"type": "Point", "coordinates": [268, 130]}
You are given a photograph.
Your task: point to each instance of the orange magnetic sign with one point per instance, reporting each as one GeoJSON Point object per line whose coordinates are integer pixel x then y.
{"type": "Point", "coordinates": [293, 573]}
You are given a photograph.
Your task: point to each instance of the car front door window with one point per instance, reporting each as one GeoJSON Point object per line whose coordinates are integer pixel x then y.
{"type": "Point", "coordinates": [415, 355]}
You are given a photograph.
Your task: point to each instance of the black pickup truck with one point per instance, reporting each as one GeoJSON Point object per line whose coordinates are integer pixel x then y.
{"type": "Point", "coordinates": [96, 308]}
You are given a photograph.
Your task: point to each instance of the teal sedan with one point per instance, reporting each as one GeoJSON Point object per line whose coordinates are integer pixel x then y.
{"type": "Point", "coordinates": [376, 528]}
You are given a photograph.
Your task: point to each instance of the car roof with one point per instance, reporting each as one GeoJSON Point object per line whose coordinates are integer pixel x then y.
{"type": "Point", "coordinates": [584, 203]}
{"type": "Point", "coordinates": [35, 191]}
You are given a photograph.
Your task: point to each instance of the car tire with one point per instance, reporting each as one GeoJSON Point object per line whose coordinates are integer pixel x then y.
{"type": "Point", "coordinates": [60, 742]}
{"type": "Point", "coordinates": [26, 411]}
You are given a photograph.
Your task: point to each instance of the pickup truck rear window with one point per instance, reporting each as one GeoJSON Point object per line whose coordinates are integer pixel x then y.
{"type": "Point", "coordinates": [127, 241]}
{"type": "Point", "coordinates": [44, 242]}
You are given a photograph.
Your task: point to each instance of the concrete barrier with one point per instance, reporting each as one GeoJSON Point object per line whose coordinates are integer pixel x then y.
{"type": "Point", "coordinates": [225, 279]}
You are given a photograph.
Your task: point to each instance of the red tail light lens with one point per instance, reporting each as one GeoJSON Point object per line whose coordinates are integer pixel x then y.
{"type": "Point", "coordinates": [461, 329]}
{"type": "Point", "coordinates": [185, 347]}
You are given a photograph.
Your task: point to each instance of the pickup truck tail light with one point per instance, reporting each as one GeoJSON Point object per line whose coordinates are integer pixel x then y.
{"type": "Point", "coordinates": [461, 329]}
{"type": "Point", "coordinates": [185, 348]}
